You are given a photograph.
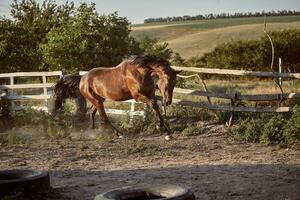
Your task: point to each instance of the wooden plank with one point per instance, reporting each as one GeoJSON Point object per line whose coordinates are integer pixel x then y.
{"type": "Point", "coordinates": [28, 74]}
{"type": "Point", "coordinates": [124, 112]}
{"type": "Point", "coordinates": [248, 97]}
{"type": "Point", "coordinates": [82, 73]}
{"type": "Point", "coordinates": [28, 97]}
{"type": "Point", "coordinates": [237, 72]}
{"type": "Point", "coordinates": [232, 108]}
{"type": "Point", "coordinates": [27, 86]}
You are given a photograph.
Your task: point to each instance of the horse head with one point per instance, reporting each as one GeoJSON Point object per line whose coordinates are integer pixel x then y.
{"type": "Point", "coordinates": [166, 81]}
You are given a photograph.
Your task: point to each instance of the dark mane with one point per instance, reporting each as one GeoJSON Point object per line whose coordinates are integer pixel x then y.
{"type": "Point", "coordinates": [148, 61]}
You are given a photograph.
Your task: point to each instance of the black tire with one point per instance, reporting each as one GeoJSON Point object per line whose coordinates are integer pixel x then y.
{"type": "Point", "coordinates": [25, 181]}
{"type": "Point", "coordinates": [167, 192]}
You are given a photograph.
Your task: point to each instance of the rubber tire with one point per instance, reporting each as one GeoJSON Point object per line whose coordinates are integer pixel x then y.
{"type": "Point", "coordinates": [166, 192]}
{"type": "Point", "coordinates": [27, 181]}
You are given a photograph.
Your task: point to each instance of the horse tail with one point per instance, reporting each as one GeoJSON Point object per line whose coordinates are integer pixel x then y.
{"type": "Point", "coordinates": [67, 87]}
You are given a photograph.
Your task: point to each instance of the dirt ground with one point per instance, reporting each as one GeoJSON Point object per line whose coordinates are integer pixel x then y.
{"type": "Point", "coordinates": [212, 165]}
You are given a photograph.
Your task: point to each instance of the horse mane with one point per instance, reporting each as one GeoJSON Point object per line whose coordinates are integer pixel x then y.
{"type": "Point", "coordinates": [148, 61]}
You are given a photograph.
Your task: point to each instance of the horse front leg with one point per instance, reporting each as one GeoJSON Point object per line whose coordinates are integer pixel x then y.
{"type": "Point", "coordinates": [162, 124]}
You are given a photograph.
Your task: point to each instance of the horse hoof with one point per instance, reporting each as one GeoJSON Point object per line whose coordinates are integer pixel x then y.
{"type": "Point", "coordinates": [167, 137]}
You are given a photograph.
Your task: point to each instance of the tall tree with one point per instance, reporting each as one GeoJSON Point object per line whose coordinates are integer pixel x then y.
{"type": "Point", "coordinates": [86, 41]}
{"type": "Point", "coordinates": [152, 47]}
{"type": "Point", "coordinates": [21, 35]}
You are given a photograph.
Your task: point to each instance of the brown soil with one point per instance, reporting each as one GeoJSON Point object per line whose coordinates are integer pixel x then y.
{"type": "Point", "coordinates": [213, 165]}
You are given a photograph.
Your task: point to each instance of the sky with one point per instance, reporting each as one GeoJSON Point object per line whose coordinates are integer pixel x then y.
{"type": "Point", "coordinates": [138, 10]}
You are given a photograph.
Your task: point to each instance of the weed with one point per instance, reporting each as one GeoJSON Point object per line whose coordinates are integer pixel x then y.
{"type": "Point", "coordinates": [102, 140]}
{"type": "Point", "coordinates": [248, 130]}
{"type": "Point", "coordinates": [272, 131]}
{"type": "Point", "coordinates": [193, 130]}
{"type": "Point", "coordinates": [291, 131]}
{"type": "Point", "coordinates": [13, 137]}
{"type": "Point", "coordinates": [270, 128]}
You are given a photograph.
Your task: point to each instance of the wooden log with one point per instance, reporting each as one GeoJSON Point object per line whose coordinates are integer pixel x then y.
{"type": "Point", "coordinates": [248, 97]}
{"type": "Point", "coordinates": [238, 72]}
{"type": "Point", "coordinates": [28, 74]}
{"type": "Point", "coordinates": [27, 86]}
{"type": "Point", "coordinates": [232, 108]}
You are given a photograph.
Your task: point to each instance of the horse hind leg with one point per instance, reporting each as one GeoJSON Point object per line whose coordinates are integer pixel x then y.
{"type": "Point", "coordinates": [106, 120]}
{"type": "Point", "coordinates": [92, 119]}
{"type": "Point", "coordinates": [98, 103]}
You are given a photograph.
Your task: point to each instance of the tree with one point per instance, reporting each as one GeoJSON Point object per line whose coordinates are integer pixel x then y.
{"type": "Point", "coordinates": [88, 40]}
{"type": "Point", "coordinates": [21, 35]}
{"type": "Point", "coordinates": [152, 47]}
{"type": "Point", "coordinates": [178, 60]}
{"type": "Point", "coordinates": [257, 54]}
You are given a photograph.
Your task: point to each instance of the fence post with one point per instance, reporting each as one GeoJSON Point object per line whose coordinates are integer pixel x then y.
{"type": "Point", "coordinates": [131, 114]}
{"type": "Point", "coordinates": [45, 91]}
{"type": "Point", "coordinates": [280, 71]}
{"type": "Point", "coordinates": [12, 82]}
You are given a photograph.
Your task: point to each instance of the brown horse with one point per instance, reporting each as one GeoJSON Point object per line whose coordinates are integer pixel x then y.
{"type": "Point", "coordinates": [134, 78]}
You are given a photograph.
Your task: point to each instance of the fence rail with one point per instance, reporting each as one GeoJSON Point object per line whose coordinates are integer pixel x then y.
{"type": "Point", "coordinates": [237, 96]}
{"type": "Point", "coordinates": [238, 72]}
{"type": "Point", "coordinates": [233, 96]}
{"type": "Point", "coordinates": [12, 87]}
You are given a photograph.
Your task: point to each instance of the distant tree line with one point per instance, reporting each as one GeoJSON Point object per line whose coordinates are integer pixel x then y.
{"type": "Point", "coordinates": [223, 16]}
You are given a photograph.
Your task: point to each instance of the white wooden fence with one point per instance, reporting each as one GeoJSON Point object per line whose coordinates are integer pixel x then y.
{"type": "Point", "coordinates": [10, 91]}
{"type": "Point", "coordinates": [12, 87]}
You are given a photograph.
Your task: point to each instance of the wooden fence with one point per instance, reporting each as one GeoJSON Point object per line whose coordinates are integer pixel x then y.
{"type": "Point", "coordinates": [236, 96]}
{"type": "Point", "coordinates": [12, 88]}
{"type": "Point", "coordinates": [185, 102]}
{"type": "Point", "coordinates": [10, 91]}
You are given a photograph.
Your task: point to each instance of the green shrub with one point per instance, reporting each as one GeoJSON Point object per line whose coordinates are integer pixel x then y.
{"type": "Point", "coordinates": [256, 54]}
{"type": "Point", "coordinates": [269, 128]}
{"type": "Point", "coordinates": [272, 131]}
{"type": "Point", "coordinates": [52, 127]}
{"type": "Point", "coordinates": [248, 130]}
{"type": "Point", "coordinates": [13, 137]}
{"type": "Point", "coordinates": [4, 107]}
{"type": "Point", "coordinates": [291, 130]}
{"type": "Point", "coordinates": [193, 131]}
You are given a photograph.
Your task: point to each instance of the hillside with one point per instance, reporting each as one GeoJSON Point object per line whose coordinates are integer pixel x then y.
{"type": "Point", "coordinates": [194, 38]}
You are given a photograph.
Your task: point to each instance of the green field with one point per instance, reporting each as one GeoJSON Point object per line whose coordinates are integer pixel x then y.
{"type": "Point", "coordinates": [194, 38]}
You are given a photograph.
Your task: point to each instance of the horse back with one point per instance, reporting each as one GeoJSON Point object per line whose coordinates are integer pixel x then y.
{"type": "Point", "coordinates": [108, 83]}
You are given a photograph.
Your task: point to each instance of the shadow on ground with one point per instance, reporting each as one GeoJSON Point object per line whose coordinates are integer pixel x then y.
{"type": "Point", "coordinates": [206, 181]}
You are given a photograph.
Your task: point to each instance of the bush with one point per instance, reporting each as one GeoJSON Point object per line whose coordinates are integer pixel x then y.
{"type": "Point", "coordinates": [248, 130]}
{"type": "Point", "coordinates": [272, 131]}
{"type": "Point", "coordinates": [256, 54]}
{"type": "Point", "coordinates": [58, 127]}
{"type": "Point", "coordinates": [291, 131]}
{"type": "Point", "coordinates": [193, 130]}
{"type": "Point", "coordinates": [4, 107]}
{"type": "Point", "coordinates": [270, 128]}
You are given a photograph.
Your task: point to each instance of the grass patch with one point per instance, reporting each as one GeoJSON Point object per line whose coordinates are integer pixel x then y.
{"type": "Point", "coordinates": [269, 128]}
{"type": "Point", "coordinates": [194, 38]}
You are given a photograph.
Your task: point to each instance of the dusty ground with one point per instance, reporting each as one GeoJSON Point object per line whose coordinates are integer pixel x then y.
{"type": "Point", "coordinates": [212, 165]}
